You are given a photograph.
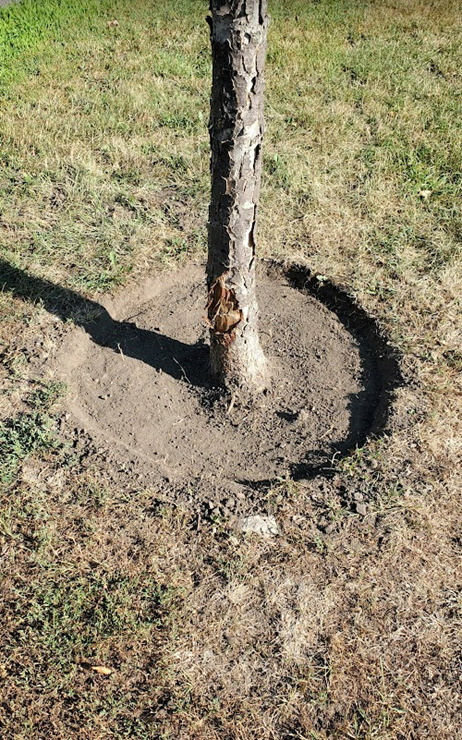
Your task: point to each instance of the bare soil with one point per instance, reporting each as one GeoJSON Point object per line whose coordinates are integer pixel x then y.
{"type": "Point", "coordinates": [140, 389]}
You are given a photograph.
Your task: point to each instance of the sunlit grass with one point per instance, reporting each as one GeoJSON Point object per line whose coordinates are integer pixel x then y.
{"type": "Point", "coordinates": [104, 143]}
{"type": "Point", "coordinates": [104, 177]}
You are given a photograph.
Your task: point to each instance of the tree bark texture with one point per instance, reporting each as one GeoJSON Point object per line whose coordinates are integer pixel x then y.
{"type": "Point", "coordinates": [238, 39]}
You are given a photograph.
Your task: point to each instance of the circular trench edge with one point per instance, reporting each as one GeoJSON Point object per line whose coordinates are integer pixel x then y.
{"type": "Point", "coordinates": [380, 362]}
{"type": "Point", "coordinates": [382, 366]}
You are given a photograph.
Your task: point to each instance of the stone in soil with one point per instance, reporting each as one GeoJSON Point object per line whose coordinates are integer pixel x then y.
{"type": "Point", "coordinates": [263, 525]}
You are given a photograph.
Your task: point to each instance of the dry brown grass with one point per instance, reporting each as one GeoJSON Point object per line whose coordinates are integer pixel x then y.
{"type": "Point", "coordinates": [355, 634]}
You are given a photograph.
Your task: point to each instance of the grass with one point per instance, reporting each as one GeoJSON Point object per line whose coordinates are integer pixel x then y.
{"type": "Point", "coordinates": [30, 431]}
{"type": "Point", "coordinates": [103, 178]}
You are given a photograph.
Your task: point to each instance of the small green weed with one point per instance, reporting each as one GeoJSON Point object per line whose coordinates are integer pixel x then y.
{"type": "Point", "coordinates": [21, 437]}
{"type": "Point", "coordinates": [30, 431]}
{"type": "Point", "coordinates": [176, 248]}
{"type": "Point", "coordinates": [46, 394]}
{"type": "Point", "coordinates": [278, 170]}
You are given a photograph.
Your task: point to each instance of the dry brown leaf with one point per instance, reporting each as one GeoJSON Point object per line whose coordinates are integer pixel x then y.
{"type": "Point", "coordinates": [102, 670]}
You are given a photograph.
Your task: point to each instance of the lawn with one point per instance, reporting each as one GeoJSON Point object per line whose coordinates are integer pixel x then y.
{"type": "Point", "coordinates": [347, 626]}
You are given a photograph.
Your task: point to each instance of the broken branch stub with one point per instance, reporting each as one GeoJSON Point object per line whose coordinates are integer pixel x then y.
{"type": "Point", "coordinates": [238, 39]}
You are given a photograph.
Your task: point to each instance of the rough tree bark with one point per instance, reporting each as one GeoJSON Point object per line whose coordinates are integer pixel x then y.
{"type": "Point", "coordinates": [238, 39]}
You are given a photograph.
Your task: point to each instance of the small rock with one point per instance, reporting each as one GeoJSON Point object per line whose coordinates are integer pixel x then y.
{"type": "Point", "coordinates": [361, 509]}
{"type": "Point", "coordinates": [330, 528]}
{"type": "Point", "coordinates": [263, 525]}
{"type": "Point", "coordinates": [230, 503]}
{"type": "Point", "coordinates": [358, 496]}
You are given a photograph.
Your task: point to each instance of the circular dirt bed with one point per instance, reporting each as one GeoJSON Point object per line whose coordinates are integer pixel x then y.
{"type": "Point", "coordinates": [139, 384]}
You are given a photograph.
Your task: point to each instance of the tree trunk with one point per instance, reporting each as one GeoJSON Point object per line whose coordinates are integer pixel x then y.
{"type": "Point", "coordinates": [238, 38]}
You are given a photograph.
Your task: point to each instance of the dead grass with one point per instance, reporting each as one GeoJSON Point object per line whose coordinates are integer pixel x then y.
{"type": "Point", "coordinates": [354, 633]}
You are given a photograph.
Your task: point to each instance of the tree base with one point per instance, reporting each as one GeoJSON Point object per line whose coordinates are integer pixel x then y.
{"type": "Point", "coordinates": [240, 366]}
{"type": "Point", "coordinates": [145, 396]}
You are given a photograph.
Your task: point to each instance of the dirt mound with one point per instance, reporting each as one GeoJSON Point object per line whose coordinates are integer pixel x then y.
{"type": "Point", "coordinates": [139, 385]}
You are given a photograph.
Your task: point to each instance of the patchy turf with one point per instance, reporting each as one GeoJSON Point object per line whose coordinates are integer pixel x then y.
{"type": "Point", "coordinates": [348, 625]}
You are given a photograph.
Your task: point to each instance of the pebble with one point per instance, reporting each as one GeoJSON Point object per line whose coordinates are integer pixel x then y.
{"type": "Point", "coordinates": [361, 509]}
{"type": "Point", "coordinates": [358, 496]}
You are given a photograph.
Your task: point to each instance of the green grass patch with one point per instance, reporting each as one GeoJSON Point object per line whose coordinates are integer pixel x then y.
{"type": "Point", "coordinates": [21, 437]}
{"type": "Point", "coordinates": [29, 24]}
{"type": "Point", "coordinates": [80, 618]}
{"type": "Point", "coordinates": [30, 432]}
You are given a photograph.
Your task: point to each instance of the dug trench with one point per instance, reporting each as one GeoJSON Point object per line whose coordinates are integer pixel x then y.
{"type": "Point", "coordinates": [141, 400]}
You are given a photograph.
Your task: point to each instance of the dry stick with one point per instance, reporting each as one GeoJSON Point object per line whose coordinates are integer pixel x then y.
{"type": "Point", "coordinates": [182, 369]}
{"type": "Point", "coordinates": [231, 404]}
